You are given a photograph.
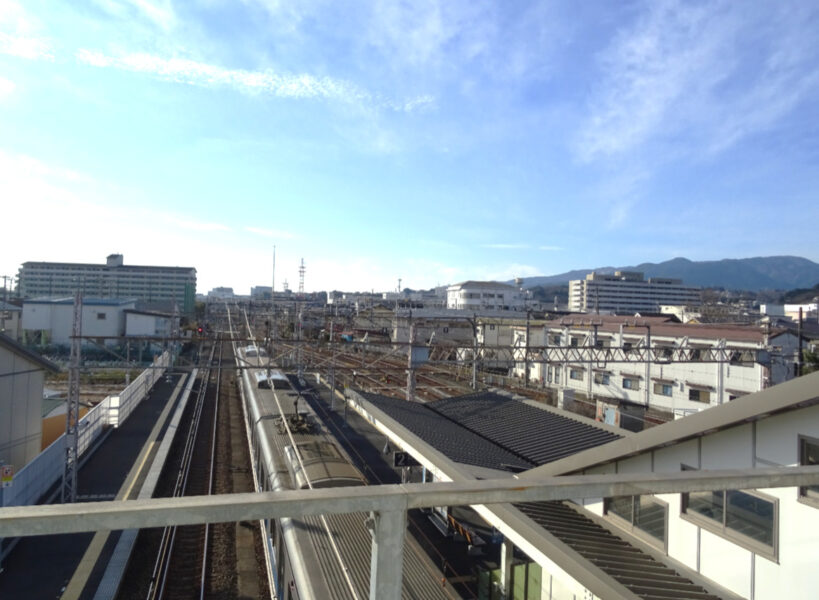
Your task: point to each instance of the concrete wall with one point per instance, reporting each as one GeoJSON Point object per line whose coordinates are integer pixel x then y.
{"type": "Point", "coordinates": [770, 442]}
{"type": "Point", "coordinates": [21, 399]}
{"type": "Point", "coordinates": [97, 320]}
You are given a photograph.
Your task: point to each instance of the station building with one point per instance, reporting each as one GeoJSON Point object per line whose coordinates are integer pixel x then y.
{"type": "Point", "coordinates": [732, 544]}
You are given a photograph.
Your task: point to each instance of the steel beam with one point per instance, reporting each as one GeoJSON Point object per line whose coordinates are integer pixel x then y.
{"type": "Point", "coordinates": [101, 516]}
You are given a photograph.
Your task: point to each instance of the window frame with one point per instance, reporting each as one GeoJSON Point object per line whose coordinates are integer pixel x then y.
{"type": "Point", "coordinates": [722, 529]}
{"type": "Point", "coordinates": [805, 496]}
{"type": "Point", "coordinates": [638, 532]}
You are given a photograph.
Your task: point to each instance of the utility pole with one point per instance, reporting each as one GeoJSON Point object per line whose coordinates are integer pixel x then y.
{"type": "Point", "coordinates": [410, 366]}
{"type": "Point", "coordinates": [72, 410]}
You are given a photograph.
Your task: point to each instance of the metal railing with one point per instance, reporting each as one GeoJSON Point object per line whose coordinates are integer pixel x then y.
{"type": "Point", "coordinates": [388, 505]}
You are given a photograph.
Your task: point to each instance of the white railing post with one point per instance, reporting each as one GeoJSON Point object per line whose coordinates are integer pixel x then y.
{"type": "Point", "coordinates": [387, 559]}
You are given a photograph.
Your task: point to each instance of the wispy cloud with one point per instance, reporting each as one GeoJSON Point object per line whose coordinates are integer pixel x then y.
{"type": "Point", "coordinates": [550, 248]}
{"type": "Point", "coordinates": [282, 85]}
{"type": "Point", "coordinates": [272, 233]}
{"type": "Point", "coordinates": [21, 34]}
{"type": "Point", "coordinates": [506, 246]}
{"type": "Point", "coordinates": [682, 73]}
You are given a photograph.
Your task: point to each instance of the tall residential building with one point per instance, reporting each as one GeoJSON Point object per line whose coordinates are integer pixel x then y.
{"type": "Point", "coordinates": [628, 291]}
{"type": "Point", "coordinates": [150, 285]}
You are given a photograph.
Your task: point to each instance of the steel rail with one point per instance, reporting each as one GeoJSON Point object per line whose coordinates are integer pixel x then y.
{"type": "Point", "coordinates": [159, 576]}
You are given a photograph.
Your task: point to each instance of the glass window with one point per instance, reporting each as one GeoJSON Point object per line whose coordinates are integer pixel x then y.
{"type": "Point", "coordinates": [699, 395]}
{"type": "Point", "coordinates": [643, 514]}
{"type": "Point", "coordinates": [631, 384]}
{"type": "Point", "coordinates": [602, 378]}
{"type": "Point", "coordinates": [576, 374]}
{"type": "Point", "coordinates": [746, 517]}
{"type": "Point", "coordinates": [663, 389]}
{"type": "Point", "coordinates": [809, 455]}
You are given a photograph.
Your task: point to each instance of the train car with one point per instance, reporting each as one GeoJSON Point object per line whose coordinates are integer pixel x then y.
{"type": "Point", "coordinates": [313, 556]}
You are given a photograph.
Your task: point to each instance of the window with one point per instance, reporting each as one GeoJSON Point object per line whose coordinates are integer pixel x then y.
{"type": "Point", "coordinates": [631, 383]}
{"type": "Point", "coordinates": [809, 455]}
{"type": "Point", "coordinates": [556, 340]}
{"type": "Point", "coordinates": [645, 516]}
{"type": "Point", "coordinates": [663, 389]}
{"type": "Point", "coordinates": [699, 395]}
{"type": "Point", "coordinates": [101, 316]}
{"type": "Point", "coordinates": [576, 374]}
{"type": "Point", "coordinates": [574, 342]}
{"type": "Point", "coordinates": [602, 378]}
{"type": "Point", "coordinates": [746, 517]}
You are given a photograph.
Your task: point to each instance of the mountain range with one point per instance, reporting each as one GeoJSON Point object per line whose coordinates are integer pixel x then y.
{"type": "Point", "coordinates": [752, 274]}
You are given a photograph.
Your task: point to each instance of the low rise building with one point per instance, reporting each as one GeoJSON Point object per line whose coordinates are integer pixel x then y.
{"type": "Point", "coordinates": [484, 295]}
{"type": "Point", "coordinates": [674, 380]}
{"type": "Point", "coordinates": [11, 320]}
{"type": "Point", "coordinates": [22, 374]}
{"type": "Point", "coordinates": [628, 292]}
{"type": "Point", "coordinates": [49, 322]}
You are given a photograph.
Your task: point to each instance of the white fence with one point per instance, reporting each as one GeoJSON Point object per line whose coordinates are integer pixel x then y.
{"type": "Point", "coordinates": [34, 480]}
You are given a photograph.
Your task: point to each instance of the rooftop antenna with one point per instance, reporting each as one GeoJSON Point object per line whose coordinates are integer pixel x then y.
{"type": "Point", "coordinates": [273, 286]}
{"type": "Point", "coordinates": [302, 269]}
{"type": "Point", "coordinates": [399, 285]}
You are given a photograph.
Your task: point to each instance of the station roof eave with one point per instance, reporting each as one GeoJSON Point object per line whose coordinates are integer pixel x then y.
{"type": "Point", "coordinates": [541, 546]}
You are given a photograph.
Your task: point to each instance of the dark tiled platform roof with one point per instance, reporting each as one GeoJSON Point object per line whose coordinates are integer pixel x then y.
{"type": "Point", "coordinates": [538, 435]}
{"type": "Point", "coordinates": [639, 572]}
{"type": "Point", "coordinates": [457, 442]}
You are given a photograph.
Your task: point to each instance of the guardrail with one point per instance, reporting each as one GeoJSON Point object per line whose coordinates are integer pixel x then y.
{"type": "Point", "coordinates": [34, 480]}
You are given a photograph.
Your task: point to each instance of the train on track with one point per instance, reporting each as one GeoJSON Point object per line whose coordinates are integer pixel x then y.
{"type": "Point", "coordinates": [314, 556]}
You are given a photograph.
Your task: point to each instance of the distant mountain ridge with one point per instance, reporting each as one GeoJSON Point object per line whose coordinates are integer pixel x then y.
{"type": "Point", "coordinates": [752, 274]}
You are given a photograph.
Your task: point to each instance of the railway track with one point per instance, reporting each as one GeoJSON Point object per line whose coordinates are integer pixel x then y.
{"type": "Point", "coordinates": [209, 455]}
{"type": "Point", "coordinates": [180, 570]}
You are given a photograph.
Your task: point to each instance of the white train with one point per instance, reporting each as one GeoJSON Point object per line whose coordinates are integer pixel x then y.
{"type": "Point", "coordinates": [311, 557]}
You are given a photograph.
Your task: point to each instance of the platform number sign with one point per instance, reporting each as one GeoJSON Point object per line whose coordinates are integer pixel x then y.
{"type": "Point", "coordinates": [6, 475]}
{"type": "Point", "coordinates": [403, 459]}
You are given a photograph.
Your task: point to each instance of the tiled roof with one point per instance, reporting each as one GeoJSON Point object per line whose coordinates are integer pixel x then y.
{"type": "Point", "coordinates": [539, 435]}
{"type": "Point", "coordinates": [454, 440]}
{"type": "Point", "coordinates": [638, 571]}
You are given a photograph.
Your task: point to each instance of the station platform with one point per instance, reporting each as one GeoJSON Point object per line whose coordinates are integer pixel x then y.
{"type": "Point", "coordinates": [72, 566]}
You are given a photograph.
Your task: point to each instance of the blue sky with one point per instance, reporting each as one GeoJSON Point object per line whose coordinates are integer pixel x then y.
{"type": "Point", "coordinates": [431, 141]}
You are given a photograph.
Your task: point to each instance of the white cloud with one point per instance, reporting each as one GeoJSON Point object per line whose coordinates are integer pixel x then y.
{"type": "Point", "coordinates": [551, 248]}
{"type": "Point", "coordinates": [21, 34]}
{"type": "Point", "coordinates": [283, 85]}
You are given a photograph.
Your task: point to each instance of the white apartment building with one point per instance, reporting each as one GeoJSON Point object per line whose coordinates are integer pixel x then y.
{"type": "Point", "coordinates": [675, 387]}
{"type": "Point", "coordinates": [112, 280]}
{"type": "Point", "coordinates": [484, 295]}
{"type": "Point", "coordinates": [628, 291]}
